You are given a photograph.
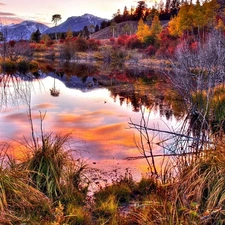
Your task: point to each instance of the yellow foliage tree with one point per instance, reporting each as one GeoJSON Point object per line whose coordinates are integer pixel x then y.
{"type": "Point", "coordinates": [69, 34]}
{"type": "Point", "coordinates": [192, 16]}
{"type": "Point", "coordinates": [156, 27]}
{"type": "Point", "coordinates": [174, 26]}
{"type": "Point", "coordinates": [220, 25]}
{"type": "Point", "coordinates": [143, 30]}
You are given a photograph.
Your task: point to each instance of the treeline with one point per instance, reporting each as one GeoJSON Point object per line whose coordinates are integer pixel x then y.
{"type": "Point", "coordinates": [142, 11]}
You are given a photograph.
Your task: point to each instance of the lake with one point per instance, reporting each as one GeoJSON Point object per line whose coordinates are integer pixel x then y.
{"type": "Point", "coordinates": [94, 110]}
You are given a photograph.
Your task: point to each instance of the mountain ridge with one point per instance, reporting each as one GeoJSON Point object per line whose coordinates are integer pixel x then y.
{"type": "Point", "coordinates": [23, 30]}
{"type": "Point", "coordinates": [76, 23]}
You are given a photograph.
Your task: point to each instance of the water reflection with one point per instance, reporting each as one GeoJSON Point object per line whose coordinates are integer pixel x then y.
{"type": "Point", "coordinates": [94, 109]}
{"type": "Point", "coordinates": [53, 91]}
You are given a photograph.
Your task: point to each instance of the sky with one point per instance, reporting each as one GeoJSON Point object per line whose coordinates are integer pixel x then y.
{"type": "Point", "coordinates": [16, 11]}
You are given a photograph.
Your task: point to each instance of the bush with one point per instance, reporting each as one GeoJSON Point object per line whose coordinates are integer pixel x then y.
{"type": "Point", "coordinates": [133, 42]}
{"type": "Point", "coordinates": [49, 43]}
{"type": "Point", "coordinates": [67, 50]}
{"type": "Point", "coordinates": [93, 44]}
{"type": "Point", "coordinates": [81, 44]}
{"type": "Point", "coordinates": [150, 50]}
{"type": "Point", "coordinates": [112, 40]}
{"type": "Point", "coordinates": [121, 40]}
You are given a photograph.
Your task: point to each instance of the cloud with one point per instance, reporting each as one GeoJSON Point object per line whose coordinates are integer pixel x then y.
{"type": "Point", "coordinates": [7, 14]}
{"type": "Point", "coordinates": [2, 3]}
{"type": "Point", "coordinates": [7, 18]}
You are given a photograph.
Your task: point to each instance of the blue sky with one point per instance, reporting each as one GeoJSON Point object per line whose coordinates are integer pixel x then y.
{"type": "Point", "coordinates": [15, 11]}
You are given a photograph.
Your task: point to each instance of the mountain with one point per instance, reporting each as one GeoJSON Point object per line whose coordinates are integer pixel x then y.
{"type": "Point", "coordinates": [76, 23]}
{"type": "Point", "coordinates": [21, 31]}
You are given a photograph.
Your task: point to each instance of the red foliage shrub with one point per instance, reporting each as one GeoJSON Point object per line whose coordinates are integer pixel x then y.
{"type": "Point", "coordinates": [112, 40]}
{"type": "Point", "coordinates": [49, 43]}
{"type": "Point", "coordinates": [81, 44]}
{"type": "Point", "coordinates": [32, 46]}
{"type": "Point", "coordinates": [12, 43]}
{"type": "Point", "coordinates": [42, 42]}
{"type": "Point", "coordinates": [121, 40]}
{"type": "Point", "coordinates": [194, 46]}
{"type": "Point", "coordinates": [93, 44]}
{"type": "Point", "coordinates": [133, 42]}
{"type": "Point", "coordinates": [168, 44]}
{"type": "Point", "coordinates": [150, 50]}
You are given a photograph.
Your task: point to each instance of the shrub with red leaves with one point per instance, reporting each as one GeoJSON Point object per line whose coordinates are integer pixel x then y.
{"type": "Point", "coordinates": [12, 43]}
{"type": "Point", "coordinates": [150, 50]}
{"type": "Point", "coordinates": [49, 43]}
{"type": "Point", "coordinates": [121, 40]}
{"type": "Point", "coordinates": [112, 40]}
{"type": "Point", "coordinates": [133, 42]}
{"type": "Point", "coordinates": [93, 44]}
{"type": "Point", "coordinates": [168, 44]}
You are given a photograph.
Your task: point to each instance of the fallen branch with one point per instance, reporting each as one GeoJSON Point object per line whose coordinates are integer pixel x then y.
{"type": "Point", "coordinates": [137, 126]}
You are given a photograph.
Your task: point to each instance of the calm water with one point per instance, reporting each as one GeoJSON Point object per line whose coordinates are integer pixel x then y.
{"type": "Point", "coordinates": [98, 122]}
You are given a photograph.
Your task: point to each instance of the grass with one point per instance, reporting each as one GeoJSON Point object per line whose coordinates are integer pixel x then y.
{"type": "Point", "coordinates": [19, 201]}
{"type": "Point", "coordinates": [50, 187]}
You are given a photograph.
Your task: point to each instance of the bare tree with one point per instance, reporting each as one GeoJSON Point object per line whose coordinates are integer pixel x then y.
{"type": "Point", "coordinates": [196, 72]}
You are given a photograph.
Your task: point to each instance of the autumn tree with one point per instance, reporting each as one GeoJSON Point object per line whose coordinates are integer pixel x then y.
{"type": "Point", "coordinates": [194, 17]}
{"type": "Point", "coordinates": [220, 25]}
{"type": "Point", "coordinates": [69, 34]}
{"type": "Point", "coordinates": [143, 30]}
{"type": "Point", "coordinates": [154, 31]}
{"type": "Point", "coordinates": [45, 38]}
{"type": "Point", "coordinates": [156, 27]}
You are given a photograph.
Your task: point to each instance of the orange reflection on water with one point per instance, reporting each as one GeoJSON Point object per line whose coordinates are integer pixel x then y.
{"type": "Point", "coordinates": [98, 125]}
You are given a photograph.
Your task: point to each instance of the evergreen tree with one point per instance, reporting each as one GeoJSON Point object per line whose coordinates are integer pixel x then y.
{"type": "Point", "coordinates": [97, 28]}
{"type": "Point", "coordinates": [1, 36]}
{"type": "Point", "coordinates": [85, 32]}
{"type": "Point", "coordinates": [36, 36]}
{"type": "Point", "coordinates": [140, 10]}
{"type": "Point", "coordinates": [125, 14]}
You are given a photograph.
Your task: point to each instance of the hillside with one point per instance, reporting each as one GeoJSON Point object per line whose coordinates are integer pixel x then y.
{"type": "Point", "coordinates": [120, 29]}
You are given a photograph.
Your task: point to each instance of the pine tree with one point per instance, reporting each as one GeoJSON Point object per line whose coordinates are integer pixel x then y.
{"type": "Point", "coordinates": [36, 36]}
